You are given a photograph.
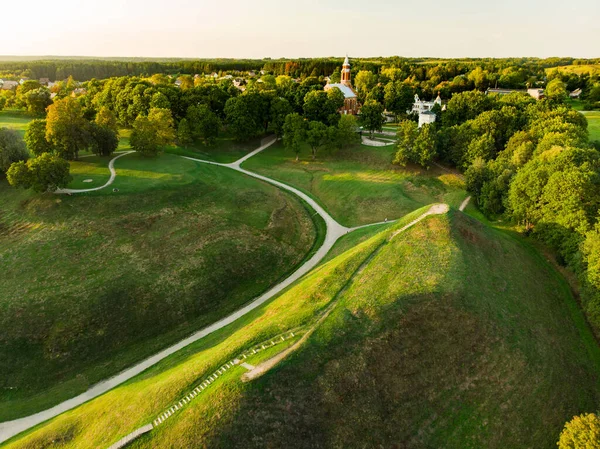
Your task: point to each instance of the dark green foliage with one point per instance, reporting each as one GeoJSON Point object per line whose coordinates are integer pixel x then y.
{"type": "Point", "coordinates": [12, 149]}
{"type": "Point", "coordinates": [103, 140]}
{"type": "Point", "coordinates": [45, 173]}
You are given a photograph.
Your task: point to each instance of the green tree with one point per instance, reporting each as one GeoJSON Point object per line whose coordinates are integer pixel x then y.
{"type": "Point", "coordinates": [150, 133]}
{"type": "Point", "coordinates": [280, 108]}
{"type": "Point", "coordinates": [294, 133]}
{"type": "Point", "coordinates": [398, 98]}
{"type": "Point", "coordinates": [66, 128]}
{"type": "Point", "coordinates": [37, 100]}
{"type": "Point", "coordinates": [184, 133]}
{"type": "Point", "coordinates": [364, 81]}
{"type": "Point", "coordinates": [407, 134]}
{"type": "Point", "coordinates": [425, 146]}
{"type": "Point", "coordinates": [371, 116]}
{"type": "Point", "coordinates": [35, 138]}
{"type": "Point", "coordinates": [582, 432]}
{"type": "Point", "coordinates": [323, 106]}
{"type": "Point", "coordinates": [345, 134]}
{"type": "Point", "coordinates": [12, 148]}
{"type": "Point", "coordinates": [556, 90]}
{"type": "Point", "coordinates": [241, 120]}
{"type": "Point", "coordinates": [45, 173]}
{"type": "Point", "coordinates": [103, 140]}
{"type": "Point", "coordinates": [316, 137]}
{"type": "Point", "coordinates": [204, 124]}
{"type": "Point", "coordinates": [107, 118]}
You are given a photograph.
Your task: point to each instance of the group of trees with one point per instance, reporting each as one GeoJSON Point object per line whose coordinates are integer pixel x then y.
{"type": "Point", "coordinates": [529, 161]}
{"type": "Point", "coordinates": [299, 130]}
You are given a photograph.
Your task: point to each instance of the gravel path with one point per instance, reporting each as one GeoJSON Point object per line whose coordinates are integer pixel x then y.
{"type": "Point", "coordinates": [113, 175]}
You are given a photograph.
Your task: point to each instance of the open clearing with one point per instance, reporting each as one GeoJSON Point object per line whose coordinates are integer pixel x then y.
{"type": "Point", "coordinates": [450, 332]}
{"type": "Point", "coordinates": [360, 185]}
{"type": "Point", "coordinates": [102, 279]}
{"type": "Point", "coordinates": [14, 119]}
{"type": "Point", "coordinates": [593, 118]}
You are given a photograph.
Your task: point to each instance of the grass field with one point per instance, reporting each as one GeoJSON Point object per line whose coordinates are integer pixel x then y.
{"type": "Point", "coordinates": [360, 185]}
{"type": "Point", "coordinates": [93, 282]}
{"type": "Point", "coordinates": [15, 119]}
{"type": "Point", "coordinates": [452, 334]}
{"type": "Point", "coordinates": [591, 69]}
{"type": "Point", "coordinates": [224, 150]}
{"type": "Point", "coordinates": [593, 118]}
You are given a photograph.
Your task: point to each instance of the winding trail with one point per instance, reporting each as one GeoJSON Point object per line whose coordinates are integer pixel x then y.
{"type": "Point", "coordinates": [334, 231]}
{"type": "Point", "coordinates": [113, 175]}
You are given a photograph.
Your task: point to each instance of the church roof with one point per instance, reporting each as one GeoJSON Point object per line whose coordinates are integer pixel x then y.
{"type": "Point", "coordinates": [347, 91]}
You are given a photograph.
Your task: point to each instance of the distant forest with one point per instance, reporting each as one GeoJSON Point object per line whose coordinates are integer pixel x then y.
{"type": "Point", "coordinates": [85, 69]}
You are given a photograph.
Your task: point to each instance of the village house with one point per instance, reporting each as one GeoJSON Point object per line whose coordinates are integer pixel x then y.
{"type": "Point", "coordinates": [9, 85]}
{"type": "Point", "coordinates": [351, 105]}
{"type": "Point", "coordinates": [424, 110]}
{"type": "Point", "coordinates": [576, 94]}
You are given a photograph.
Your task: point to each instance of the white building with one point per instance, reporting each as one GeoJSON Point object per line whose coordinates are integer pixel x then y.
{"type": "Point", "coordinates": [423, 108]}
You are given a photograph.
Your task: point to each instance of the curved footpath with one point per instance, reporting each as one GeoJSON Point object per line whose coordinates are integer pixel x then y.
{"type": "Point", "coordinates": [113, 175]}
{"type": "Point", "coordinates": [334, 231]}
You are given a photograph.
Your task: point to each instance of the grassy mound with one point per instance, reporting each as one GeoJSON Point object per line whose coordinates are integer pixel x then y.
{"type": "Point", "coordinates": [359, 185]}
{"type": "Point", "coordinates": [93, 282]}
{"type": "Point", "coordinates": [451, 334]}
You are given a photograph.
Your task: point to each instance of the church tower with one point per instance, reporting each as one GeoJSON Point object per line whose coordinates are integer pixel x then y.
{"type": "Point", "coordinates": [346, 73]}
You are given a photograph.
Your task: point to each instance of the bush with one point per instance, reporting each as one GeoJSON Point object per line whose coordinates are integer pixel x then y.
{"type": "Point", "coordinates": [45, 173]}
{"type": "Point", "coordinates": [582, 432]}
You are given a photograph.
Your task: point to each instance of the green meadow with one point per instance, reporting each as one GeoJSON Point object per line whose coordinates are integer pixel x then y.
{"type": "Point", "coordinates": [360, 185]}
{"type": "Point", "coordinates": [475, 341]}
{"type": "Point", "coordinates": [103, 279]}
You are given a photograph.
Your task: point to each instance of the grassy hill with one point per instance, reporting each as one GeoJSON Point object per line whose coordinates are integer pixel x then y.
{"type": "Point", "coordinates": [593, 118]}
{"type": "Point", "coordinates": [359, 185]}
{"type": "Point", "coordinates": [93, 282]}
{"type": "Point", "coordinates": [451, 334]}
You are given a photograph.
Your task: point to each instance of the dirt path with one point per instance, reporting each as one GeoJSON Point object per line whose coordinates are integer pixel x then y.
{"type": "Point", "coordinates": [464, 204]}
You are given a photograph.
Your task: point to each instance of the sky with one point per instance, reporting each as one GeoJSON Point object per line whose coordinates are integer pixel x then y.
{"type": "Point", "coordinates": [304, 28]}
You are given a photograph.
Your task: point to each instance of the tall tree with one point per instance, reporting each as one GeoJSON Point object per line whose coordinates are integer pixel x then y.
{"type": "Point", "coordinates": [294, 133]}
{"type": "Point", "coordinates": [103, 140]}
{"type": "Point", "coordinates": [107, 118]}
{"type": "Point", "coordinates": [398, 98]}
{"type": "Point", "coordinates": [316, 137]}
{"type": "Point", "coordinates": [35, 138]}
{"type": "Point", "coordinates": [66, 128]}
{"type": "Point", "coordinates": [371, 116]}
{"type": "Point", "coordinates": [204, 124]}
{"type": "Point", "coordinates": [280, 108]}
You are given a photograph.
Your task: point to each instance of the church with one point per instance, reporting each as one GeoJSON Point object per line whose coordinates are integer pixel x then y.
{"type": "Point", "coordinates": [351, 105]}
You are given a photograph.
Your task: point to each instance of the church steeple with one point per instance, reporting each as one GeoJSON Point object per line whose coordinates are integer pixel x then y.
{"type": "Point", "coordinates": [346, 72]}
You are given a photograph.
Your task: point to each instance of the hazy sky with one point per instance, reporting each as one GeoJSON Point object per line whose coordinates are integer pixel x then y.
{"type": "Point", "coordinates": [301, 28]}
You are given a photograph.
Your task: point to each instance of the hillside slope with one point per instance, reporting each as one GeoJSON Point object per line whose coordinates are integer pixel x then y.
{"type": "Point", "coordinates": [94, 282]}
{"type": "Point", "coordinates": [450, 334]}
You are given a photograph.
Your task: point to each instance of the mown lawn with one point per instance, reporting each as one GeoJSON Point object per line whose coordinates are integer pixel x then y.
{"type": "Point", "coordinates": [593, 118]}
{"type": "Point", "coordinates": [94, 282]}
{"type": "Point", "coordinates": [452, 334]}
{"type": "Point", "coordinates": [15, 119]}
{"type": "Point", "coordinates": [359, 185]}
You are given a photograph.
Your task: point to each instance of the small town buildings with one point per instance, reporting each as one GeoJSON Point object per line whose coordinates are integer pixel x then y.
{"type": "Point", "coordinates": [9, 85]}
{"type": "Point", "coordinates": [351, 105]}
{"type": "Point", "coordinates": [576, 94]}
{"type": "Point", "coordinates": [535, 92]}
{"type": "Point", "coordinates": [44, 81]}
